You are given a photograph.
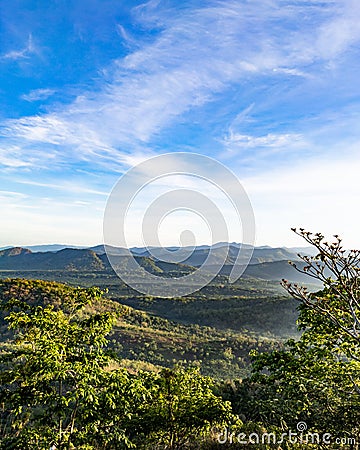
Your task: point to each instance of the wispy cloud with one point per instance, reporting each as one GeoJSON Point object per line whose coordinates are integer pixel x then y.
{"type": "Point", "coordinates": [319, 195]}
{"type": "Point", "coordinates": [340, 32]}
{"type": "Point", "coordinates": [127, 38]}
{"type": "Point", "coordinates": [199, 52]}
{"type": "Point", "coordinates": [26, 221]}
{"type": "Point", "coordinates": [65, 186]}
{"type": "Point", "coordinates": [11, 195]}
{"type": "Point", "coordinates": [269, 140]}
{"type": "Point", "coordinates": [38, 94]}
{"type": "Point", "coordinates": [23, 53]}
{"type": "Point", "coordinates": [13, 157]}
{"type": "Point", "coordinates": [231, 74]}
{"type": "Point", "coordinates": [326, 136]}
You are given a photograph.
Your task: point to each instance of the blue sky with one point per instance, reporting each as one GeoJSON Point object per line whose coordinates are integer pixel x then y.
{"type": "Point", "coordinates": [89, 88]}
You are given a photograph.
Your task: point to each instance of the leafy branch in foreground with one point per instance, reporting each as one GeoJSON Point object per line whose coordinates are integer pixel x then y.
{"type": "Point", "coordinates": [315, 379]}
{"type": "Point", "coordinates": [51, 372]}
{"type": "Point", "coordinates": [339, 271]}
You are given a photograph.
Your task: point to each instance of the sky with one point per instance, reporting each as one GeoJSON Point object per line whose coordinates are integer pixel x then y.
{"type": "Point", "coordinates": [269, 88]}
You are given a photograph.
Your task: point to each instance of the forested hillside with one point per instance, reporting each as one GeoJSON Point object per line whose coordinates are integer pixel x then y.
{"type": "Point", "coordinates": [91, 370]}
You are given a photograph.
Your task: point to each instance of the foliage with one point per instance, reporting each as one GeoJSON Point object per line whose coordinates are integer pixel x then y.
{"type": "Point", "coordinates": [192, 331]}
{"type": "Point", "coordinates": [182, 410]}
{"type": "Point", "coordinates": [51, 373]}
{"type": "Point", "coordinates": [339, 302]}
{"type": "Point", "coordinates": [62, 386]}
{"type": "Point", "coordinates": [316, 379]}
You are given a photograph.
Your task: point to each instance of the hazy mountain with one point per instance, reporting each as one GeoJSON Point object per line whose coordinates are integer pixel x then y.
{"type": "Point", "coordinates": [199, 254]}
{"type": "Point", "coordinates": [143, 250]}
{"type": "Point", "coordinates": [277, 270]}
{"type": "Point", "coordinates": [95, 258]}
{"type": "Point", "coordinates": [310, 251]}
{"type": "Point", "coordinates": [100, 250]}
{"type": "Point", "coordinates": [14, 251]}
{"type": "Point", "coordinates": [47, 247]}
{"type": "Point", "coordinates": [266, 263]}
{"type": "Point", "coordinates": [85, 260]}
{"type": "Point", "coordinates": [67, 259]}
{"type": "Point", "coordinates": [222, 251]}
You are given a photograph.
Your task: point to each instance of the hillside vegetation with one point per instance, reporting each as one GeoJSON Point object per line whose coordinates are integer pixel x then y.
{"type": "Point", "coordinates": [213, 329]}
{"type": "Point", "coordinates": [208, 371]}
{"type": "Point", "coordinates": [62, 384]}
{"type": "Point", "coordinates": [214, 333]}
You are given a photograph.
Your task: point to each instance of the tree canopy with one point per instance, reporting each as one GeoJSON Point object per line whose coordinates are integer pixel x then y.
{"type": "Point", "coordinates": [61, 385]}
{"type": "Point", "coordinates": [314, 380]}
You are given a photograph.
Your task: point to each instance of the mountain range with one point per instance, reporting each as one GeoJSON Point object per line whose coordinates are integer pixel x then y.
{"type": "Point", "coordinates": [266, 263]}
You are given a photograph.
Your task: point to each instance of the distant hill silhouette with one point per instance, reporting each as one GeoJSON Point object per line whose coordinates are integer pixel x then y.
{"type": "Point", "coordinates": [67, 259]}
{"type": "Point", "coordinates": [266, 263]}
{"type": "Point", "coordinates": [222, 251]}
{"type": "Point", "coordinates": [277, 270]}
{"type": "Point", "coordinates": [14, 251]}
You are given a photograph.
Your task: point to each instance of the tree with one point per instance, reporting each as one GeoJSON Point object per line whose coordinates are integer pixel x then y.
{"type": "Point", "coordinates": [339, 301]}
{"type": "Point", "coordinates": [60, 385]}
{"type": "Point", "coordinates": [53, 372]}
{"type": "Point", "coordinates": [317, 378]}
{"type": "Point", "coordinates": [181, 409]}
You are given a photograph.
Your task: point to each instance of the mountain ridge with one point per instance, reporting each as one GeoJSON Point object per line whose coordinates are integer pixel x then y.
{"type": "Point", "coordinates": [266, 263]}
{"type": "Point", "coordinates": [41, 248]}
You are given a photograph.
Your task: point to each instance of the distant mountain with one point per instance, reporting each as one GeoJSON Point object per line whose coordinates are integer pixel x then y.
{"type": "Point", "coordinates": [273, 271]}
{"type": "Point", "coordinates": [310, 251]}
{"type": "Point", "coordinates": [48, 247]}
{"type": "Point", "coordinates": [222, 251]}
{"type": "Point", "coordinates": [198, 256]}
{"type": "Point", "coordinates": [84, 260]}
{"type": "Point", "coordinates": [143, 250]}
{"type": "Point", "coordinates": [277, 270]}
{"type": "Point", "coordinates": [100, 250]}
{"type": "Point", "coordinates": [266, 263]}
{"type": "Point", "coordinates": [18, 258]}
{"type": "Point", "coordinates": [95, 258]}
{"type": "Point", "coordinates": [14, 251]}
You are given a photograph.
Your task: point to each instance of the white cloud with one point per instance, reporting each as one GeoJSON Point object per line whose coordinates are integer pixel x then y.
{"type": "Point", "coordinates": [24, 53]}
{"type": "Point", "coordinates": [11, 195]}
{"type": "Point", "coordinates": [65, 186]}
{"type": "Point", "coordinates": [338, 34]}
{"type": "Point", "coordinates": [25, 223]}
{"type": "Point", "coordinates": [28, 219]}
{"type": "Point", "coordinates": [198, 53]}
{"type": "Point", "coordinates": [13, 157]}
{"type": "Point", "coordinates": [38, 94]}
{"type": "Point", "coordinates": [321, 196]}
{"type": "Point", "coordinates": [123, 33]}
{"type": "Point", "coordinates": [268, 140]}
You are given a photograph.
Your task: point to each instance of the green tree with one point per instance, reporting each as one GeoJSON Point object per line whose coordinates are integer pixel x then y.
{"type": "Point", "coordinates": [60, 385]}
{"type": "Point", "coordinates": [339, 302]}
{"type": "Point", "coordinates": [317, 378]}
{"type": "Point", "coordinates": [53, 372]}
{"type": "Point", "coordinates": [181, 409]}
